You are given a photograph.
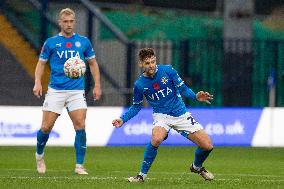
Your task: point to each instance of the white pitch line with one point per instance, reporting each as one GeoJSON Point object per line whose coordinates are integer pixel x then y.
{"type": "Point", "coordinates": [266, 180]}
{"type": "Point", "coordinates": [163, 173]}
{"type": "Point", "coordinates": [250, 175]}
{"type": "Point", "coordinates": [185, 173]}
{"type": "Point", "coordinates": [115, 178]}
{"type": "Point", "coordinates": [49, 170]}
{"type": "Point", "coordinates": [56, 178]}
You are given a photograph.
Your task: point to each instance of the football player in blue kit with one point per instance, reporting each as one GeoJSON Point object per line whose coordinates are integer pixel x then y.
{"type": "Point", "coordinates": [63, 91]}
{"type": "Point", "coordinates": [161, 85]}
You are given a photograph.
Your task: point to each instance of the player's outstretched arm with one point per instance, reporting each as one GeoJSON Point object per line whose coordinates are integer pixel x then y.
{"type": "Point", "coordinates": [37, 90]}
{"type": "Point", "coordinates": [117, 122]}
{"type": "Point", "coordinates": [204, 97]}
{"type": "Point", "coordinates": [132, 111]}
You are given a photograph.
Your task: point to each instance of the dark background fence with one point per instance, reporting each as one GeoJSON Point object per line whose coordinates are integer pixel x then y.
{"type": "Point", "coordinates": [238, 77]}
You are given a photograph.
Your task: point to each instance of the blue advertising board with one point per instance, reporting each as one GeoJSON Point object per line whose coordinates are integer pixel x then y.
{"type": "Point", "coordinates": [226, 127]}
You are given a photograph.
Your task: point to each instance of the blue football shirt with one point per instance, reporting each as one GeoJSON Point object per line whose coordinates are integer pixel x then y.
{"type": "Point", "coordinates": [161, 91]}
{"type": "Point", "coordinates": [57, 50]}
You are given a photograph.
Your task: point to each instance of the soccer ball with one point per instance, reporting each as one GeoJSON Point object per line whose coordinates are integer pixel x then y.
{"type": "Point", "coordinates": [74, 68]}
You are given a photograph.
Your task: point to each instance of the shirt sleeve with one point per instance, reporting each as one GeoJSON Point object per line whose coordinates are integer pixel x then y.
{"type": "Point", "coordinates": [136, 106]}
{"type": "Point", "coordinates": [89, 51]}
{"type": "Point", "coordinates": [45, 52]}
{"type": "Point", "coordinates": [179, 83]}
{"type": "Point", "coordinates": [187, 92]}
{"type": "Point", "coordinates": [131, 112]}
{"type": "Point", "coordinates": [175, 77]}
{"type": "Point", "coordinates": [137, 94]}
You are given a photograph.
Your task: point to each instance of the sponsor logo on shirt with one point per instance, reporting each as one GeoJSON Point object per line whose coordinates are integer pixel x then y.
{"type": "Point", "coordinates": [68, 54]}
{"type": "Point", "coordinates": [162, 93]}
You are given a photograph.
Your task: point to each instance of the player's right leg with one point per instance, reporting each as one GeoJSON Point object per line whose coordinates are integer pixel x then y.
{"type": "Point", "coordinates": [48, 121]}
{"type": "Point", "coordinates": [52, 107]}
{"type": "Point", "coordinates": [158, 135]}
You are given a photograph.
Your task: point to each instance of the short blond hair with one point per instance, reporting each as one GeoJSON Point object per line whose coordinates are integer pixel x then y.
{"type": "Point", "coordinates": [66, 11]}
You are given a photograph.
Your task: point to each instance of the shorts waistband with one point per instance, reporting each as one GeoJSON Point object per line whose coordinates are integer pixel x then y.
{"type": "Point", "coordinates": [172, 117]}
{"type": "Point", "coordinates": [62, 91]}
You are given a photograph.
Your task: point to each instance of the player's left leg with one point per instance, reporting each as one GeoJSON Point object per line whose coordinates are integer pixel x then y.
{"type": "Point", "coordinates": [78, 118]}
{"type": "Point", "coordinates": [192, 130]}
{"type": "Point", "coordinates": [77, 108]}
{"type": "Point", "coordinates": [203, 141]}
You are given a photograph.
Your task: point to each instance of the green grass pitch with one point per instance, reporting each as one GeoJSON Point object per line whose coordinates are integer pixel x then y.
{"type": "Point", "coordinates": [108, 167]}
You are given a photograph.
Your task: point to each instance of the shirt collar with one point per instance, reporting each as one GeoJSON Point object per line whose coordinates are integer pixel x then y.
{"type": "Point", "coordinates": [60, 34]}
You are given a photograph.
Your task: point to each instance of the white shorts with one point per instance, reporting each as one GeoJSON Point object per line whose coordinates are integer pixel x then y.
{"type": "Point", "coordinates": [183, 124]}
{"type": "Point", "coordinates": [56, 100]}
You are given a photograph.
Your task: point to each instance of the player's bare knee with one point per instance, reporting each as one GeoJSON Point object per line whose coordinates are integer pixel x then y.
{"type": "Point", "coordinates": [207, 146]}
{"type": "Point", "coordinates": [46, 128]}
{"type": "Point", "coordinates": [79, 125]}
{"type": "Point", "coordinates": [156, 141]}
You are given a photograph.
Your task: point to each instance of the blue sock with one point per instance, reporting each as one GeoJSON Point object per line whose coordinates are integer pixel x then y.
{"type": "Point", "coordinates": [200, 156]}
{"type": "Point", "coordinates": [41, 141]}
{"type": "Point", "coordinates": [80, 146]}
{"type": "Point", "coordinates": [149, 156]}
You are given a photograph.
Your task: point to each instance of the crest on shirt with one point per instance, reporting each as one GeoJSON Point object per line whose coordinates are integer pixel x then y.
{"type": "Point", "coordinates": [78, 44]}
{"type": "Point", "coordinates": [164, 80]}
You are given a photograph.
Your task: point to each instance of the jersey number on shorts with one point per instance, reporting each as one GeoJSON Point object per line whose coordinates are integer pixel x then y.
{"type": "Point", "coordinates": [192, 120]}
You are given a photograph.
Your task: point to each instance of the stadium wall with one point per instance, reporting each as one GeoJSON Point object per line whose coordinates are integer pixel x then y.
{"type": "Point", "coordinates": [226, 126]}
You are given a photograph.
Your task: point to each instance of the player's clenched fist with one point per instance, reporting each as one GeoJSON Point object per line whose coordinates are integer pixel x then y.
{"type": "Point", "coordinates": [117, 122]}
{"type": "Point", "coordinates": [204, 96]}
